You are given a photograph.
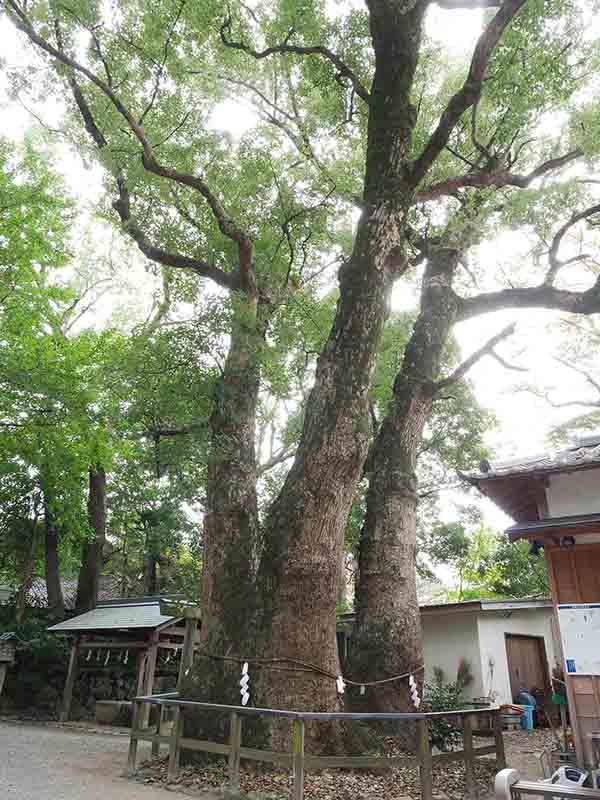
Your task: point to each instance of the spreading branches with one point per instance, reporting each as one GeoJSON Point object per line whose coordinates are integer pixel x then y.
{"type": "Point", "coordinates": [545, 294]}
{"type": "Point", "coordinates": [594, 383]}
{"type": "Point", "coordinates": [488, 349]}
{"type": "Point", "coordinates": [555, 262]}
{"type": "Point", "coordinates": [161, 68]}
{"type": "Point", "coordinates": [123, 208]}
{"type": "Point", "coordinates": [343, 70]}
{"type": "Point", "coordinates": [226, 225]}
{"type": "Point", "coordinates": [498, 178]}
{"type": "Point", "coordinates": [470, 92]}
{"type": "Point", "coordinates": [244, 278]}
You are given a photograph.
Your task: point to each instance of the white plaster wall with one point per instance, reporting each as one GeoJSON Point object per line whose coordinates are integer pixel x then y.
{"type": "Point", "coordinates": [492, 627]}
{"type": "Point", "coordinates": [574, 493]}
{"type": "Point", "coordinates": [446, 639]}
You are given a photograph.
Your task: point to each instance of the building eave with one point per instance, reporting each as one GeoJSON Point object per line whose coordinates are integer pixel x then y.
{"type": "Point", "coordinates": [555, 527]}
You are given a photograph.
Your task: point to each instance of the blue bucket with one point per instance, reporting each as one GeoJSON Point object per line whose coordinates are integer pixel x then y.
{"type": "Point", "coordinates": [527, 717]}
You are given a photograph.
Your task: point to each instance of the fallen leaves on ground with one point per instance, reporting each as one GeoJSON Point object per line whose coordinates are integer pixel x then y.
{"type": "Point", "coordinates": [395, 784]}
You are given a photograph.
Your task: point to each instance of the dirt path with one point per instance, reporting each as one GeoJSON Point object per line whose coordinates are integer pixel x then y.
{"type": "Point", "coordinates": [51, 763]}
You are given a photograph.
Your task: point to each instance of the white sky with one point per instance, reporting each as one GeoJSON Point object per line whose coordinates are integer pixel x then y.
{"type": "Point", "coordinates": [524, 421]}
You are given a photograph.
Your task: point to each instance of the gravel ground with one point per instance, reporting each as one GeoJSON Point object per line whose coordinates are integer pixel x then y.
{"type": "Point", "coordinates": [52, 763]}
{"type": "Point", "coordinates": [40, 762]}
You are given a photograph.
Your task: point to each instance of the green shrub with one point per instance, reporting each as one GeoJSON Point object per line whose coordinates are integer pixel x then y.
{"type": "Point", "coordinates": [443, 697]}
{"type": "Point", "coordinates": [38, 675]}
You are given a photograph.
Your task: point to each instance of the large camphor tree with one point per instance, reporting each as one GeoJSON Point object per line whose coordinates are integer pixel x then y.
{"type": "Point", "coordinates": [349, 115]}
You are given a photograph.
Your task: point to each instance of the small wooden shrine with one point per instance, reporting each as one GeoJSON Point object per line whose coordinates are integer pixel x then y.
{"type": "Point", "coordinates": [140, 625]}
{"type": "Point", "coordinates": [8, 646]}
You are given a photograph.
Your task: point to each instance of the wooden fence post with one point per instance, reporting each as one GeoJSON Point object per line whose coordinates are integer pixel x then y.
{"type": "Point", "coordinates": [469, 758]}
{"type": "Point", "coordinates": [133, 742]}
{"type": "Point", "coordinates": [65, 712]}
{"type": "Point", "coordinates": [499, 740]}
{"type": "Point", "coordinates": [425, 762]}
{"type": "Point", "coordinates": [156, 745]}
{"type": "Point", "coordinates": [152, 654]}
{"type": "Point", "coordinates": [174, 747]}
{"type": "Point", "coordinates": [298, 759]}
{"type": "Point", "coordinates": [187, 654]}
{"type": "Point", "coordinates": [235, 742]}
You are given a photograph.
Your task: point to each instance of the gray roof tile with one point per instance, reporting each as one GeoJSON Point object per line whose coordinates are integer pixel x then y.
{"type": "Point", "coordinates": [547, 462]}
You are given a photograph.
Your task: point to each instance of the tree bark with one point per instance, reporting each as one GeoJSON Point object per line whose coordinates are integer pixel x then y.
{"type": "Point", "coordinates": [91, 561]}
{"type": "Point", "coordinates": [304, 527]}
{"type": "Point", "coordinates": [387, 636]}
{"type": "Point", "coordinates": [54, 591]}
{"type": "Point", "coordinates": [231, 530]}
{"type": "Point", "coordinates": [150, 571]}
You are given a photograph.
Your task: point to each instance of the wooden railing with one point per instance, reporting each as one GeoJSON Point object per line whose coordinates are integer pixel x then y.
{"type": "Point", "coordinates": [298, 760]}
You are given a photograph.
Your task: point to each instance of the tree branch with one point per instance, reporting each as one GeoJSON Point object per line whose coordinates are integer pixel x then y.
{"type": "Point", "coordinates": [343, 69]}
{"type": "Point", "coordinates": [570, 403]}
{"type": "Point", "coordinates": [580, 371]}
{"type": "Point", "coordinates": [161, 68]}
{"type": "Point", "coordinates": [505, 363]}
{"type": "Point", "coordinates": [467, 364]}
{"type": "Point", "coordinates": [555, 262]}
{"type": "Point", "coordinates": [470, 91]}
{"type": "Point", "coordinates": [585, 302]}
{"type": "Point", "coordinates": [123, 208]}
{"type": "Point", "coordinates": [158, 433]}
{"type": "Point", "coordinates": [277, 458]}
{"type": "Point", "coordinates": [498, 179]}
{"type": "Point", "coordinates": [452, 5]}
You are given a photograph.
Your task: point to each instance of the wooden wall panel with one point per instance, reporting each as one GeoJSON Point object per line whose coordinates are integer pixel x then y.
{"type": "Point", "coordinates": [587, 570]}
{"type": "Point", "coordinates": [575, 578]}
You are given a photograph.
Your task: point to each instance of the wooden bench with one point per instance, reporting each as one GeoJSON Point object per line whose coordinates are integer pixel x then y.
{"type": "Point", "coordinates": [508, 787]}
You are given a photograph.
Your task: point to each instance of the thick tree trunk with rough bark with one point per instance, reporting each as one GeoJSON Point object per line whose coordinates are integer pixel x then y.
{"type": "Point", "coordinates": [54, 591]}
{"type": "Point", "coordinates": [91, 561]}
{"type": "Point", "coordinates": [304, 528]}
{"type": "Point", "coordinates": [231, 531]}
{"type": "Point", "coordinates": [387, 636]}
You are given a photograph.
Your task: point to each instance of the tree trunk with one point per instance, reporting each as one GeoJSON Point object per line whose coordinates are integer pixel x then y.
{"type": "Point", "coordinates": [56, 600]}
{"type": "Point", "coordinates": [387, 637]}
{"type": "Point", "coordinates": [26, 574]}
{"type": "Point", "coordinates": [231, 532]}
{"type": "Point", "coordinates": [150, 572]}
{"type": "Point", "coordinates": [342, 591]}
{"type": "Point", "coordinates": [91, 562]}
{"type": "Point", "coordinates": [305, 525]}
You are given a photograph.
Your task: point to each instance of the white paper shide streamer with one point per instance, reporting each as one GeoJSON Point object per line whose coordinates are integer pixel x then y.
{"type": "Point", "coordinates": [414, 691]}
{"type": "Point", "coordinates": [244, 684]}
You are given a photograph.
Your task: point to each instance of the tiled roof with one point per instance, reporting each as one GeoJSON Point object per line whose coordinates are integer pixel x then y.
{"type": "Point", "coordinates": [108, 589]}
{"type": "Point", "coordinates": [570, 458]}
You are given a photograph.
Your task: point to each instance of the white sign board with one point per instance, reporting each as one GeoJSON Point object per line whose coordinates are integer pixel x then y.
{"type": "Point", "coordinates": [580, 633]}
